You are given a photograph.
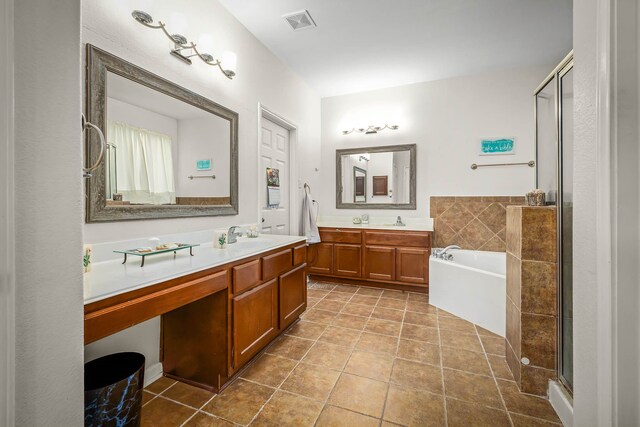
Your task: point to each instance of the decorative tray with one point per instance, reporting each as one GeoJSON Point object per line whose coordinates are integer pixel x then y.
{"type": "Point", "coordinates": [145, 253]}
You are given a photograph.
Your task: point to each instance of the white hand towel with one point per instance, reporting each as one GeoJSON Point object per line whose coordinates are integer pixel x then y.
{"type": "Point", "coordinates": [309, 226]}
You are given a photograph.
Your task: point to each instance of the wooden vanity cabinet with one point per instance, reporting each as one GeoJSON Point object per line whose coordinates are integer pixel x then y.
{"type": "Point", "coordinates": [395, 259]}
{"type": "Point", "coordinates": [293, 295]}
{"type": "Point", "coordinates": [255, 321]}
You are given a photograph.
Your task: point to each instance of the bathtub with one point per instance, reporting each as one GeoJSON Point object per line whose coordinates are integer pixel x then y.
{"type": "Point", "coordinates": [472, 286]}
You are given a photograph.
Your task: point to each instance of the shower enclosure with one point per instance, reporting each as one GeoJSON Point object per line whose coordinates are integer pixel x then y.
{"type": "Point", "coordinates": [554, 174]}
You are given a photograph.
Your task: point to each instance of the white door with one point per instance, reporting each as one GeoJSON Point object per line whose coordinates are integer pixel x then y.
{"type": "Point", "coordinates": [274, 153]}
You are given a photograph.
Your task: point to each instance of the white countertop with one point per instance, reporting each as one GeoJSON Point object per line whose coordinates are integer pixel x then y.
{"type": "Point", "coordinates": [110, 278]}
{"type": "Point", "coordinates": [386, 226]}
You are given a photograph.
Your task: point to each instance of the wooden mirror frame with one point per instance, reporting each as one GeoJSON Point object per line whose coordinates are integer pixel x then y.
{"type": "Point", "coordinates": [412, 148]}
{"type": "Point", "coordinates": [99, 63]}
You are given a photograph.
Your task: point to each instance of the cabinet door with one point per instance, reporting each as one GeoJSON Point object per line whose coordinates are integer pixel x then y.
{"type": "Point", "coordinates": [347, 260]}
{"type": "Point", "coordinates": [321, 258]}
{"type": "Point", "coordinates": [412, 265]}
{"type": "Point", "coordinates": [380, 263]}
{"type": "Point", "coordinates": [255, 321]}
{"type": "Point", "coordinates": [293, 295]}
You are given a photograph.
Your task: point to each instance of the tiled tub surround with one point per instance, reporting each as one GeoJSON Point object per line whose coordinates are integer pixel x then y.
{"type": "Point", "coordinates": [474, 222]}
{"type": "Point", "coordinates": [363, 357]}
{"type": "Point", "coordinates": [531, 296]}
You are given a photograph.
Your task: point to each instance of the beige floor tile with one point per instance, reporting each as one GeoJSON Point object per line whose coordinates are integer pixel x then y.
{"type": "Point", "coordinates": [346, 288]}
{"type": "Point", "coordinates": [147, 397]}
{"type": "Point", "coordinates": [357, 309]}
{"type": "Point", "coordinates": [323, 285]}
{"type": "Point", "coordinates": [269, 370]}
{"type": "Point", "coordinates": [338, 296]}
{"type": "Point", "coordinates": [399, 295]}
{"type": "Point", "coordinates": [420, 307]}
{"type": "Point", "coordinates": [472, 388]}
{"type": "Point", "coordinates": [311, 302]}
{"type": "Point", "coordinates": [375, 343]}
{"type": "Point", "coordinates": [314, 382]}
{"type": "Point", "coordinates": [413, 296]}
{"type": "Point", "coordinates": [160, 385]}
{"type": "Point", "coordinates": [307, 330]}
{"type": "Point", "coordinates": [443, 313]}
{"type": "Point", "coordinates": [519, 403]}
{"type": "Point", "coordinates": [358, 394]}
{"type": "Point", "coordinates": [188, 395]}
{"type": "Point", "coordinates": [239, 402]}
{"type": "Point", "coordinates": [332, 416]}
{"type": "Point", "coordinates": [340, 336]}
{"type": "Point", "coordinates": [317, 293]}
{"type": "Point", "coordinates": [372, 292]}
{"type": "Point", "coordinates": [319, 316]}
{"type": "Point", "coordinates": [420, 376]}
{"type": "Point", "coordinates": [484, 332]}
{"type": "Point", "coordinates": [349, 321]}
{"type": "Point", "coordinates": [459, 340]}
{"type": "Point", "coordinates": [328, 355]}
{"type": "Point", "coordinates": [525, 421]}
{"type": "Point", "coordinates": [364, 300]}
{"type": "Point", "coordinates": [493, 345]}
{"type": "Point", "coordinates": [388, 314]}
{"type": "Point", "coordinates": [467, 414]}
{"type": "Point", "coordinates": [396, 304]}
{"type": "Point", "coordinates": [414, 407]}
{"type": "Point", "coordinates": [290, 347]}
{"type": "Point", "coordinates": [458, 325]}
{"type": "Point", "coordinates": [499, 367]}
{"type": "Point", "coordinates": [288, 410]}
{"type": "Point", "coordinates": [383, 327]}
{"type": "Point", "coordinates": [419, 351]}
{"type": "Point", "coordinates": [162, 412]}
{"type": "Point", "coordinates": [465, 360]}
{"type": "Point", "coordinates": [420, 333]}
{"type": "Point", "coordinates": [370, 365]}
{"type": "Point", "coordinates": [205, 420]}
{"type": "Point", "coordinates": [330, 305]}
{"type": "Point", "coordinates": [422, 319]}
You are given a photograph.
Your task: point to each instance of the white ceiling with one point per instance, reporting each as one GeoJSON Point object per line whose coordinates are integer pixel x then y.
{"type": "Point", "coordinates": [369, 44]}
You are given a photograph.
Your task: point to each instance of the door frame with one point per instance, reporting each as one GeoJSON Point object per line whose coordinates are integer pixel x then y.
{"type": "Point", "coordinates": [266, 113]}
{"type": "Point", "coordinates": [7, 223]}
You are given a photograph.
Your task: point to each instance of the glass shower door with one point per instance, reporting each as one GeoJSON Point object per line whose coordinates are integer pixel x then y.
{"type": "Point", "coordinates": [565, 242]}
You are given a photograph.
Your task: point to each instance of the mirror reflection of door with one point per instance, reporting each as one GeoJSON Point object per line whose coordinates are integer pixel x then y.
{"type": "Point", "coordinates": [359, 185]}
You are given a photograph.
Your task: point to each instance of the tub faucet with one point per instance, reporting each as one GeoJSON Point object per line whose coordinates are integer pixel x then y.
{"type": "Point", "coordinates": [443, 253]}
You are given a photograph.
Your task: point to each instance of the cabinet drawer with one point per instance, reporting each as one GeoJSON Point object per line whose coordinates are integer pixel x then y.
{"type": "Point", "coordinates": [246, 276]}
{"type": "Point", "coordinates": [300, 254]}
{"type": "Point", "coordinates": [336, 235]}
{"type": "Point", "coordinates": [406, 239]}
{"type": "Point", "coordinates": [272, 265]}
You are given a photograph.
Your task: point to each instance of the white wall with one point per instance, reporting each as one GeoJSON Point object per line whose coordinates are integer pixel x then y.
{"type": "Point", "coordinates": [261, 78]}
{"type": "Point", "coordinates": [48, 214]}
{"type": "Point", "coordinates": [203, 138]}
{"type": "Point", "coordinates": [446, 119]}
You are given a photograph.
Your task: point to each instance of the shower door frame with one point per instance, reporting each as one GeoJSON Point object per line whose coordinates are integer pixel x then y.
{"type": "Point", "coordinates": [558, 73]}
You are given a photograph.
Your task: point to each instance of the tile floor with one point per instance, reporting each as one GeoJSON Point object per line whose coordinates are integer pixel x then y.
{"type": "Point", "coordinates": [363, 357]}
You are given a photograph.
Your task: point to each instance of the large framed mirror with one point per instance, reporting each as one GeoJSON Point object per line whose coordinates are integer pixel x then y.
{"type": "Point", "coordinates": [376, 177]}
{"type": "Point", "coordinates": [170, 153]}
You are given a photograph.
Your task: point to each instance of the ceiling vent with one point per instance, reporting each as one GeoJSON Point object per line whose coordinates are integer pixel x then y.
{"type": "Point", "coordinates": [300, 20]}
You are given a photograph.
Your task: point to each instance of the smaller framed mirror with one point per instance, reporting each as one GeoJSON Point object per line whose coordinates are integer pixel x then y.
{"type": "Point", "coordinates": [376, 177]}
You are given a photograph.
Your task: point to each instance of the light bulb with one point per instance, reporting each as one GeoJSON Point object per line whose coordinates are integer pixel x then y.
{"type": "Point", "coordinates": [229, 61]}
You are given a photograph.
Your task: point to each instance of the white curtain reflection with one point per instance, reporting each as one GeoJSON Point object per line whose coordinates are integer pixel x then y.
{"type": "Point", "coordinates": [145, 164]}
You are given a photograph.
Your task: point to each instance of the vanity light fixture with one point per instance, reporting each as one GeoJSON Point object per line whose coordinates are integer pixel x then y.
{"type": "Point", "coordinates": [371, 129]}
{"type": "Point", "coordinates": [185, 50]}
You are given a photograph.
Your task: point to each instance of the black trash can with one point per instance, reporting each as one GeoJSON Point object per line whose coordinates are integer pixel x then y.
{"type": "Point", "coordinates": [113, 387]}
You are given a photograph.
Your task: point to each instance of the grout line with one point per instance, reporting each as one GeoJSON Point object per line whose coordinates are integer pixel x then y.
{"type": "Point", "coordinates": [495, 381]}
{"type": "Point", "coordinates": [444, 389]}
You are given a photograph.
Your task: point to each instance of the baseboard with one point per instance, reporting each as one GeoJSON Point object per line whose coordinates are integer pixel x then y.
{"type": "Point", "coordinates": [152, 373]}
{"type": "Point", "coordinates": [561, 402]}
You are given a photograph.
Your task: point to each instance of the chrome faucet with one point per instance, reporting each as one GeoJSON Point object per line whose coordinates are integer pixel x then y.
{"type": "Point", "coordinates": [443, 253]}
{"type": "Point", "coordinates": [399, 222]}
{"type": "Point", "coordinates": [232, 236]}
